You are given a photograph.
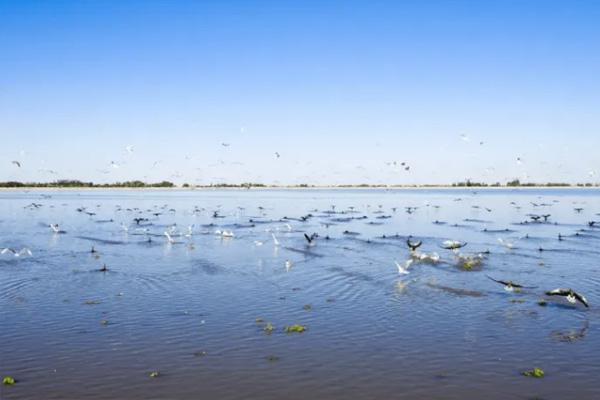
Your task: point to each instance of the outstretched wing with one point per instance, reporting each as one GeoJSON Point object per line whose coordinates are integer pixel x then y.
{"type": "Point", "coordinates": [558, 292]}
{"type": "Point", "coordinates": [496, 280]}
{"type": "Point", "coordinates": [581, 298]}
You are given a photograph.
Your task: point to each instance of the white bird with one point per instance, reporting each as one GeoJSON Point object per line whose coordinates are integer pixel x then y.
{"type": "Point", "coordinates": [275, 241]}
{"type": "Point", "coordinates": [224, 233]}
{"type": "Point", "coordinates": [288, 265]}
{"type": "Point", "coordinates": [289, 227]}
{"type": "Point", "coordinates": [23, 251]}
{"type": "Point", "coordinates": [508, 245]}
{"type": "Point", "coordinates": [124, 227]}
{"type": "Point", "coordinates": [190, 231]}
{"type": "Point", "coordinates": [56, 229]}
{"type": "Point", "coordinates": [424, 257]}
{"type": "Point", "coordinates": [403, 270]}
{"type": "Point", "coordinates": [258, 243]}
{"type": "Point", "coordinates": [129, 149]}
{"type": "Point", "coordinates": [169, 238]}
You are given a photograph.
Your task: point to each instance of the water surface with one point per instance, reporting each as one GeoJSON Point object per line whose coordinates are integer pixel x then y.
{"type": "Point", "coordinates": [189, 309]}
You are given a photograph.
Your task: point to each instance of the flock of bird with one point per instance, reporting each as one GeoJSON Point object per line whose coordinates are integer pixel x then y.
{"type": "Point", "coordinates": [143, 222]}
{"type": "Point", "coordinates": [394, 166]}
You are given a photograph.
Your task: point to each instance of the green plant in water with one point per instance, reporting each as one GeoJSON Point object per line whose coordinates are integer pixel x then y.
{"type": "Point", "coordinates": [534, 373]}
{"type": "Point", "coordinates": [542, 303]}
{"type": "Point", "coordinates": [269, 328]}
{"type": "Point", "coordinates": [307, 307]}
{"type": "Point", "coordinates": [295, 329]}
{"type": "Point", "coordinates": [9, 381]}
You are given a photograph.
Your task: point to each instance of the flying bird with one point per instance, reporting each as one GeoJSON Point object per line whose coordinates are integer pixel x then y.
{"type": "Point", "coordinates": [23, 251]}
{"type": "Point", "coordinates": [403, 270]}
{"type": "Point", "coordinates": [570, 294]}
{"type": "Point", "coordinates": [17, 163]}
{"type": "Point", "coordinates": [413, 246]}
{"type": "Point", "coordinates": [275, 241]}
{"type": "Point", "coordinates": [310, 239]}
{"type": "Point", "coordinates": [453, 244]}
{"type": "Point", "coordinates": [510, 286]}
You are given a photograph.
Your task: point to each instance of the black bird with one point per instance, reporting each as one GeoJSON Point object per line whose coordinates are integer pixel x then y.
{"type": "Point", "coordinates": [103, 269]}
{"type": "Point", "coordinates": [535, 217]}
{"type": "Point", "coordinates": [510, 286]}
{"type": "Point", "coordinates": [570, 294]}
{"type": "Point", "coordinates": [413, 246]}
{"type": "Point", "coordinates": [546, 216]}
{"type": "Point", "coordinates": [310, 238]}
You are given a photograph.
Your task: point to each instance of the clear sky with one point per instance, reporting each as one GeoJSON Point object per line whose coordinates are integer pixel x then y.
{"type": "Point", "coordinates": [340, 89]}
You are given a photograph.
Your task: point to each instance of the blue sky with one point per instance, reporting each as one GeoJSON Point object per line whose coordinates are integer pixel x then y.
{"type": "Point", "coordinates": [340, 89]}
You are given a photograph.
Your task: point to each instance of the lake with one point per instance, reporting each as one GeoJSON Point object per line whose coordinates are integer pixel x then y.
{"type": "Point", "coordinates": [207, 313]}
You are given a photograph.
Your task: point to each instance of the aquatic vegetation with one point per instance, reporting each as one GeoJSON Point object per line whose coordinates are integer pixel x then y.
{"type": "Point", "coordinates": [307, 307]}
{"type": "Point", "coordinates": [9, 381]}
{"type": "Point", "coordinates": [269, 328]}
{"type": "Point", "coordinates": [295, 329]}
{"type": "Point", "coordinates": [104, 322]}
{"type": "Point", "coordinates": [542, 303]}
{"type": "Point", "coordinates": [91, 302]}
{"type": "Point", "coordinates": [469, 263]}
{"type": "Point", "coordinates": [534, 373]}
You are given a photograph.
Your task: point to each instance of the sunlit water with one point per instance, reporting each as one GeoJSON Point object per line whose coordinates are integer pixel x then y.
{"type": "Point", "coordinates": [189, 310]}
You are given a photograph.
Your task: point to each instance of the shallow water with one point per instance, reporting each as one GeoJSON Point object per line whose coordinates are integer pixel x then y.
{"type": "Point", "coordinates": [189, 310]}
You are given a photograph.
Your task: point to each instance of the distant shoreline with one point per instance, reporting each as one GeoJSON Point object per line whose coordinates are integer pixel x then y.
{"type": "Point", "coordinates": [274, 188]}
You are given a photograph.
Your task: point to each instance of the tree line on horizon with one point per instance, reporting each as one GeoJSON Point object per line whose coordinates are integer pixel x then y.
{"type": "Point", "coordinates": [73, 183]}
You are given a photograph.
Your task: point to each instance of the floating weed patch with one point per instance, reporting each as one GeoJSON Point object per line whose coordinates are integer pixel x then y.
{"type": "Point", "coordinates": [91, 302]}
{"type": "Point", "coordinates": [269, 328]}
{"type": "Point", "coordinates": [295, 329]}
{"type": "Point", "coordinates": [8, 381]}
{"type": "Point", "coordinates": [307, 307]}
{"type": "Point", "coordinates": [542, 303]}
{"type": "Point", "coordinates": [534, 373]}
{"type": "Point", "coordinates": [260, 320]}
{"type": "Point", "coordinates": [104, 322]}
{"type": "Point", "coordinates": [519, 301]}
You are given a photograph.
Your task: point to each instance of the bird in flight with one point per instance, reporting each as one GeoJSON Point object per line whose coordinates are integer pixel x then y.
{"type": "Point", "coordinates": [571, 296]}
{"type": "Point", "coordinates": [413, 246]}
{"type": "Point", "coordinates": [510, 286]}
{"type": "Point", "coordinates": [403, 270]}
{"type": "Point", "coordinates": [17, 163]}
